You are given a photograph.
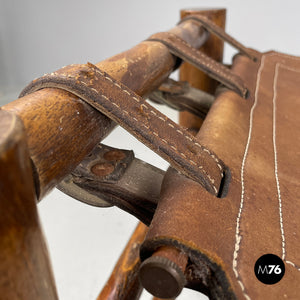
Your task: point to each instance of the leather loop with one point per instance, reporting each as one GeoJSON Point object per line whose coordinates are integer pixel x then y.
{"type": "Point", "coordinates": [218, 31]}
{"type": "Point", "coordinates": [148, 125]}
{"type": "Point", "coordinates": [216, 70]}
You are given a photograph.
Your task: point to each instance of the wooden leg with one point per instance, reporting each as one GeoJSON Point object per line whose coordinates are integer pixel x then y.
{"type": "Point", "coordinates": [123, 283]}
{"type": "Point", "coordinates": [25, 271]}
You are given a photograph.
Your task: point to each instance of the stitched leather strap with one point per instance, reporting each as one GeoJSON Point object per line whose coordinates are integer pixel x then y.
{"type": "Point", "coordinates": [216, 70]}
{"type": "Point", "coordinates": [218, 31]}
{"type": "Point", "coordinates": [147, 124]}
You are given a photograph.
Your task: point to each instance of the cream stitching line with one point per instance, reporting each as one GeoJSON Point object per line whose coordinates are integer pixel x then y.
{"type": "Point", "coordinates": [275, 160]}
{"type": "Point", "coordinates": [275, 83]}
{"type": "Point", "coordinates": [292, 264]}
{"type": "Point", "coordinates": [180, 153]}
{"type": "Point", "coordinates": [159, 117]}
{"type": "Point", "coordinates": [171, 125]}
{"type": "Point", "coordinates": [197, 144]}
{"type": "Point", "coordinates": [136, 99]}
{"type": "Point", "coordinates": [238, 236]}
{"type": "Point", "coordinates": [208, 63]}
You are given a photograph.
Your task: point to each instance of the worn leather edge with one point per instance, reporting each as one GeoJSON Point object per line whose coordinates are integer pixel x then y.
{"type": "Point", "coordinates": [218, 31]}
{"type": "Point", "coordinates": [147, 124]}
{"type": "Point", "coordinates": [218, 286]}
{"type": "Point", "coordinates": [212, 68]}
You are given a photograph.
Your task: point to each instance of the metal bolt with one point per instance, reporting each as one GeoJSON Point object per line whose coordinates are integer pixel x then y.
{"type": "Point", "coordinates": [114, 155]}
{"type": "Point", "coordinates": [102, 169]}
{"type": "Point", "coordinates": [162, 274]}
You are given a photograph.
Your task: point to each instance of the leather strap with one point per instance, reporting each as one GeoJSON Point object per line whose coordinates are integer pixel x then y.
{"type": "Point", "coordinates": [218, 31]}
{"type": "Point", "coordinates": [181, 96]}
{"type": "Point", "coordinates": [216, 70]}
{"type": "Point", "coordinates": [148, 125]}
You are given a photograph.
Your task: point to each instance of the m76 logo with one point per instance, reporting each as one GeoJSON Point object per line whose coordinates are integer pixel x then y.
{"type": "Point", "coordinates": [269, 269]}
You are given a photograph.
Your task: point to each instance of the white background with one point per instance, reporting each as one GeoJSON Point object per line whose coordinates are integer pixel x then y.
{"type": "Point", "coordinates": [40, 36]}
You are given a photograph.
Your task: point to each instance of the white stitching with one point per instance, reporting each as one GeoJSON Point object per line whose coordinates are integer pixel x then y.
{"type": "Point", "coordinates": [124, 91]}
{"type": "Point", "coordinates": [197, 144]}
{"type": "Point", "coordinates": [292, 264]}
{"type": "Point", "coordinates": [109, 79]}
{"type": "Point", "coordinates": [115, 104]}
{"type": "Point", "coordinates": [238, 237]}
{"type": "Point", "coordinates": [275, 160]}
{"type": "Point", "coordinates": [106, 98]}
{"type": "Point", "coordinates": [206, 61]}
{"type": "Point", "coordinates": [159, 117]}
{"type": "Point", "coordinates": [154, 113]}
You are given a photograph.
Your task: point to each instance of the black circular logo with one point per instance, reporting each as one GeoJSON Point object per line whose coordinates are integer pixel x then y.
{"type": "Point", "coordinates": [269, 269]}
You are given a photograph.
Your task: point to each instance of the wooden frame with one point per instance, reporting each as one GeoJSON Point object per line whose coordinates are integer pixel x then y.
{"type": "Point", "coordinates": [39, 155]}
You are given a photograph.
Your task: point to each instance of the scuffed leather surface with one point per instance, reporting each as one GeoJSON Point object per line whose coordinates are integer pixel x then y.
{"type": "Point", "coordinates": [133, 113]}
{"type": "Point", "coordinates": [214, 69]}
{"type": "Point", "coordinates": [259, 140]}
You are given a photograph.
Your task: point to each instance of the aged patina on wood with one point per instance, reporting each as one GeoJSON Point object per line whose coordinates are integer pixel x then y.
{"type": "Point", "coordinates": [60, 130]}
{"type": "Point", "coordinates": [124, 282]}
{"type": "Point", "coordinates": [25, 271]}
